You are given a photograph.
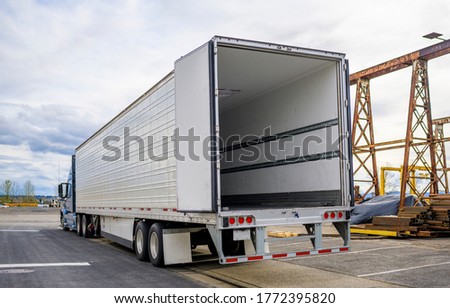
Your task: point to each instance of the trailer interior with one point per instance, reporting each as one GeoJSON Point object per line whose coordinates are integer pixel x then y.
{"type": "Point", "coordinates": [278, 119]}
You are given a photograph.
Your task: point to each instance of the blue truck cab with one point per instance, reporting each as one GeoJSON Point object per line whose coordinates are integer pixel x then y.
{"type": "Point", "coordinates": [66, 192]}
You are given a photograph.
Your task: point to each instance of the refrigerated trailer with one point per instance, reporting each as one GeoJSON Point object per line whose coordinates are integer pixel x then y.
{"type": "Point", "coordinates": [241, 136]}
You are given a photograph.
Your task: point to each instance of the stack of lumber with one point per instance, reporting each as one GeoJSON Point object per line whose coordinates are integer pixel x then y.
{"type": "Point", "coordinates": [439, 214]}
{"type": "Point", "coordinates": [427, 221]}
{"type": "Point", "coordinates": [402, 225]}
{"type": "Point", "coordinates": [418, 213]}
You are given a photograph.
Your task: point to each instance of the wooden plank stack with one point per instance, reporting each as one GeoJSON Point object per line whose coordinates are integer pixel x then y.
{"type": "Point", "coordinates": [404, 226]}
{"type": "Point", "coordinates": [439, 213]}
{"type": "Point", "coordinates": [428, 221]}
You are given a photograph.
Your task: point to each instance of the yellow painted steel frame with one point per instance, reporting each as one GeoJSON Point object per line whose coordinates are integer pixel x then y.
{"type": "Point", "coordinates": [398, 169]}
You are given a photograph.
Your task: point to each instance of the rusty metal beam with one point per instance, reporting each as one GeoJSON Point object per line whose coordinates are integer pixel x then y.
{"type": "Point", "coordinates": [440, 152]}
{"type": "Point", "coordinates": [419, 127]}
{"type": "Point", "coordinates": [427, 53]}
{"type": "Point", "coordinates": [441, 121]}
{"type": "Point", "coordinates": [397, 144]}
{"type": "Point", "coordinates": [365, 163]}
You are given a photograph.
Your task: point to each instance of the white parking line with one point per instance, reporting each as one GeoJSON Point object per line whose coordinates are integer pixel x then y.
{"type": "Point", "coordinates": [403, 269]}
{"type": "Point", "coordinates": [12, 230]}
{"type": "Point", "coordinates": [22, 265]}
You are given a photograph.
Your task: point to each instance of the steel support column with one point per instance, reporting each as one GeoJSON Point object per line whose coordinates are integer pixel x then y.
{"type": "Point", "coordinates": [419, 148]}
{"type": "Point", "coordinates": [441, 158]}
{"type": "Point", "coordinates": [365, 168]}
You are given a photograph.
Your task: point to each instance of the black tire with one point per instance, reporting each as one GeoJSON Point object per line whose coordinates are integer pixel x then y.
{"type": "Point", "coordinates": [234, 248]}
{"type": "Point", "coordinates": [231, 247]}
{"type": "Point", "coordinates": [86, 226]}
{"type": "Point", "coordinates": [155, 245]}
{"type": "Point", "coordinates": [98, 228]}
{"type": "Point", "coordinates": [79, 227]}
{"type": "Point", "coordinates": [141, 241]}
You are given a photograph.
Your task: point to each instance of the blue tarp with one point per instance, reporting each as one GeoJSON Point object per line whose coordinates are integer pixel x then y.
{"type": "Point", "coordinates": [378, 206]}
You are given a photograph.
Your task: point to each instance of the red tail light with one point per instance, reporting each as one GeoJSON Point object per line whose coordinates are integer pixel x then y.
{"type": "Point", "coordinates": [241, 220]}
{"type": "Point", "coordinates": [333, 215]}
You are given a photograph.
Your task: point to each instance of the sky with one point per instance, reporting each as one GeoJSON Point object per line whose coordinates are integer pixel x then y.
{"type": "Point", "coordinates": [68, 67]}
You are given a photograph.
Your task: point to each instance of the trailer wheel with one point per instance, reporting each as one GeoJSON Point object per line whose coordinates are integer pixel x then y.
{"type": "Point", "coordinates": [86, 226]}
{"type": "Point", "coordinates": [231, 247]}
{"type": "Point", "coordinates": [155, 245]}
{"type": "Point", "coordinates": [79, 227]}
{"type": "Point", "coordinates": [234, 248]}
{"type": "Point", "coordinates": [141, 241]}
{"type": "Point", "coordinates": [97, 226]}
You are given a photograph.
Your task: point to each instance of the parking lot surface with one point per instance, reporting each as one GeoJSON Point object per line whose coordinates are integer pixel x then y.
{"type": "Point", "coordinates": [35, 252]}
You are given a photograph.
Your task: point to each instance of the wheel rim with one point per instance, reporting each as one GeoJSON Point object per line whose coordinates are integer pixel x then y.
{"type": "Point", "coordinates": [139, 241]}
{"type": "Point", "coordinates": [154, 245]}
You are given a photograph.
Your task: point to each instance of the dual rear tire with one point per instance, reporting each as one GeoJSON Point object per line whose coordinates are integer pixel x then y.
{"type": "Point", "coordinates": [79, 227]}
{"type": "Point", "coordinates": [148, 243]}
{"type": "Point", "coordinates": [141, 241]}
{"type": "Point", "coordinates": [84, 226]}
{"type": "Point", "coordinates": [155, 245]}
{"type": "Point", "coordinates": [148, 240]}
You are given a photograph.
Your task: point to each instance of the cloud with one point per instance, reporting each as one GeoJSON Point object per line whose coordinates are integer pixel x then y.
{"type": "Point", "coordinates": [47, 128]}
{"type": "Point", "coordinates": [68, 67]}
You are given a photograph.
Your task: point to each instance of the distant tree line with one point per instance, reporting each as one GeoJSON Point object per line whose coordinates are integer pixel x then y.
{"type": "Point", "coordinates": [11, 191]}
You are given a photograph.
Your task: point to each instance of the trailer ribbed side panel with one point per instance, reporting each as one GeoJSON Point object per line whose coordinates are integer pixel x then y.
{"type": "Point", "coordinates": [133, 181]}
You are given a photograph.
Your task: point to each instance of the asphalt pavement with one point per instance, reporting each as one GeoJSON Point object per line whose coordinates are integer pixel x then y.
{"type": "Point", "coordinates": [35, 252]}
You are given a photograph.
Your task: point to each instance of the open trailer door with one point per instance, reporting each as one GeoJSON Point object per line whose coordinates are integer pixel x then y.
{"type": "Point", "coordinates": [195, 131]}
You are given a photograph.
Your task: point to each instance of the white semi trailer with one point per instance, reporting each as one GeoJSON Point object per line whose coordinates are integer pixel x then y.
{"type": "Point", "coordinates": [241, 136]}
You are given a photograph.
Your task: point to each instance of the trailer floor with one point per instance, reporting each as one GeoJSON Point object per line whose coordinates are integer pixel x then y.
{"type": "Point", "coordinates": [50, 257]}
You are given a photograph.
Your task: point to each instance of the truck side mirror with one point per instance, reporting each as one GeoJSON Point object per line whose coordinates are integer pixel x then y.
{"type": "Point", "coordinates": [62, 190]}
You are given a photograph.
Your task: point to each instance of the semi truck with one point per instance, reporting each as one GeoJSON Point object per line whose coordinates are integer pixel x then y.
{"type": "Point", "coordinates": [240, 137]}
